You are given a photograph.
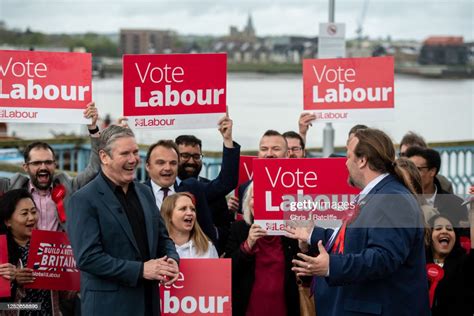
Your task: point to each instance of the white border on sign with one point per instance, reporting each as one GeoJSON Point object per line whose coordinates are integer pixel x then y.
{"type": "Point", "coordinates": [43, 115]}
{"type": "Point", "coordinates": [175, 121]}
{"type": "Point", "coordinates": [354, 115]}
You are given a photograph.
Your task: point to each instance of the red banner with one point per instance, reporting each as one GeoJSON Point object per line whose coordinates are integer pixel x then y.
{"type": "Point", "coordinates": [174, 91]}
{"type": "Point", "coordinates": [349, 89]}
{"type": "Point", "coordinates": [203, 288]}
{"type": "Point", "coordinates": [245, 170]}
{"type": "Point", "coordinates": [4, 283]}
{"type": "Point", "coordinates": [44, 87]}
{"type": "Point", "coordinates": [52, 261]}
{"type": "Point", "coordinates": [300, 190]}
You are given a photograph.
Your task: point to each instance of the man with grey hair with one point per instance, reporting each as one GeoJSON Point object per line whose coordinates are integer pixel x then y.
{"type": "Point", "coordinates": [118, 236]}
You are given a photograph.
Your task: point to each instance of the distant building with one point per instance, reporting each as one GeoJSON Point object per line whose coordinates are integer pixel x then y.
{"type": "Point", "coordinates": [444, 50]}
{"type": "Point", "coordinates": [136, 41]}
{"type": "Point", "coordinates": [248, 34]}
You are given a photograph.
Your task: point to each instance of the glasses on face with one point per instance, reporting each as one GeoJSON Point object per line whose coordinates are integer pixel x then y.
{"type": "Point", "coordinates": [420, 169]}
{"type": "Point", "coordinates": [37, 163]}
{"type": "Point", "coordinates": [295, 149]}
{"type": "Point", "coordinates": [186, 156]}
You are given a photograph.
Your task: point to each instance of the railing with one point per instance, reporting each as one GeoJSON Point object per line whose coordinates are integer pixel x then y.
{"type": "Point", "coordinates": [457, 163]}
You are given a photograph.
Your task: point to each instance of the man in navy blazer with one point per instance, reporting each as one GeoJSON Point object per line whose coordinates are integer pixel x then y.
{"type": "Point", "coordinates": [118, 236]}
{"type": "Point", "coordinates": [375, 264]}
{"type": "Point", "coordinates": [162, 165]}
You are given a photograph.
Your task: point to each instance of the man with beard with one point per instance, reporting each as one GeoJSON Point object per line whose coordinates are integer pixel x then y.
{"type": "Point", "coordinates": [50, 190]}
{"type": "Point", "coordinates": [190, 165]}
{"type": "Point", "coordinates": [376, 259]}
{"type": "Point", "coordinates": [162, 162]}
{"type": "Point", "coordinates": [296, 145]}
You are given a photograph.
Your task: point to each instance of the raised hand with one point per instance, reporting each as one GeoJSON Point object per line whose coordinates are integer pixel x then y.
{"type": "Point", "coordinates": [91, 113]}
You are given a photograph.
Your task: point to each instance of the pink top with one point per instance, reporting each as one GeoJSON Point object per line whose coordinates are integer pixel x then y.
{"type": "Point", "coordinates": [268, 291]}
{"type": "Point", "coordinates": [47, 214]}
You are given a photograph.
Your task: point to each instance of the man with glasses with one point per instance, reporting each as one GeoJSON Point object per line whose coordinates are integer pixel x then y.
{"type": "Point", "coordinates": [162, 164]}
{"type": "Point", "coordinates": [51, 190]}
{"type": "Point", "coordinates": [190, 165]}
{"type": "Point", "coordinates": [411, 139]}
{"type": "Point", "coordinates": [428, 162]}
{"type": "Point", "coordinates": [296, 146]}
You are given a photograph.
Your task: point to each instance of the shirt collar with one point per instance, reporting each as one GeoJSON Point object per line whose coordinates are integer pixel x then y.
{"type": "Point", "coordinates": [114, 186]}
{"type": "Point", "coordinates": [157, 188]}
{"type": "Point", "coordinates": [371, 185]}
{"type": "Point", "coordinates": [32, 189]}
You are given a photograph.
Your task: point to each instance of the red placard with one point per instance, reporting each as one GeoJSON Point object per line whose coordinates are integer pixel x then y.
{"type": "Point", "coordinates": [300, 189]}
{"type": "Point", "coordinates": [44, 87]}
{"type": "Point", "coordinates": [52, 261]}
{"type": "Point", "coordinates": [245, 168]}
{"type": "Point", "coordinates": [4, 283]}
{"type": "Point", "coordinates": [349, 89]}
{"type": "Point", "coordinates": [203, 288]}
{"type": "Point", "coordinates": [174, 91]}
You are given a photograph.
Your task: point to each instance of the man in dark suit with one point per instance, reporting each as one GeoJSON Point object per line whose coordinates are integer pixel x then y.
{"type": "Point", "coordinates": [117, 234]}
{"type": "Point", "coordinates": [190, 165]}
{"type": "Point", "coordinates": [162, 163]}
{"type": "Point", "coordinates": [376, 260]}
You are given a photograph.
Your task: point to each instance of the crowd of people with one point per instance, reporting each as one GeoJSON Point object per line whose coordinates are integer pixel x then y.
{"type": "Point", "coordinates": [128, 237]}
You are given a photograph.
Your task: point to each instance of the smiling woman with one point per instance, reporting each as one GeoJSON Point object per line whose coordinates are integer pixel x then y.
{"type": "Point", "coordinates": [18, 217]}
{"type": "Point", "coordinates": [454, 293]}
{"type": "Point", "coordinates": [179, 213]}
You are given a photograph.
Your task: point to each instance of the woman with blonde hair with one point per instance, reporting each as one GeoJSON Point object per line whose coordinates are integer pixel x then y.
{"type": "Point", "coordinates": [179, 213]}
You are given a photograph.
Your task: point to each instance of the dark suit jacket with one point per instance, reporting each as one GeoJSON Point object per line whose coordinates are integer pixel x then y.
{"type": "Point", "coordinates": [209, 192]}
{"type": "Point", "coordinates": [382, 270]}
{"type": "Point", "coordinates": [221, 217]}
{"type": "Point", "coordinates": [106, 251]}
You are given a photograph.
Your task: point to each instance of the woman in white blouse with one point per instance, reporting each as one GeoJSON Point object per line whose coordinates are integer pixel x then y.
{"type": "Point", "coordinates": [179, 213]}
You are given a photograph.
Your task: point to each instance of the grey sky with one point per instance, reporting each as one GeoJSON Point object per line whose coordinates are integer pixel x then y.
{"type": "Point", "coordinates": [402, 19]}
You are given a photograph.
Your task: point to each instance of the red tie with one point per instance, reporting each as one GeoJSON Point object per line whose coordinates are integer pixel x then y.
{"type": "Point", "coordinates": [351, 215]}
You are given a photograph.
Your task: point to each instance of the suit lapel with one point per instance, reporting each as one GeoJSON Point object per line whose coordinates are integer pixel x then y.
{"type": "Point", "coordinates": [148, 213]}
{"type": "Point", "coordinates": [111, 203]}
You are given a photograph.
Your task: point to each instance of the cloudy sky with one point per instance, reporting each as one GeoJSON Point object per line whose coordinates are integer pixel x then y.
{"type": "Point", "coordinates": [402, 19]}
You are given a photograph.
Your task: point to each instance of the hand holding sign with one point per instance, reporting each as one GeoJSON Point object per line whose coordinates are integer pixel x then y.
{"type": "Point", "coordinates": [91, 113]}
{"type": "Point", "coordinates": [225, 128]}
{"type": "Point", "coordinates": [255, 233]}
{"type": "Point", "coordinates": [309, 266]}
{"type": "Point", "coordinates": [7, 271]}
{"type": "Point", "coordinates": [24, 276]}
{"type": "Point", "coordinates": [304, 123]}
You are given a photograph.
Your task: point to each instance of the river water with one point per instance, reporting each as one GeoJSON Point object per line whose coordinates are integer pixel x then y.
{"type": "Point", "coordinates": [438, 109]}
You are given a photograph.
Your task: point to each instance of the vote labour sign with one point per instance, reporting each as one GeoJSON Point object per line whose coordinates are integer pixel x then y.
{"type": "Point", "coordinates": [203, 288]}
{"type": "Point", "coordinates": [245, 169]}
{"type": "Point", "coordinates": [52, 261]}
{"type": "Point", "coordinates": [44, 87]}
{"type": "Point", "coordinates": [349, 89]}
{"type": "Point", "coordinates": [305, 189]}
{"type": "Point", "coordinates": [174, 91]}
